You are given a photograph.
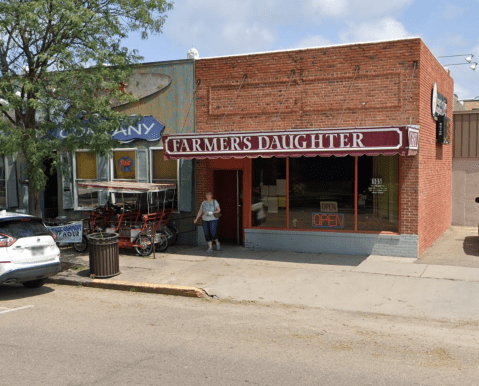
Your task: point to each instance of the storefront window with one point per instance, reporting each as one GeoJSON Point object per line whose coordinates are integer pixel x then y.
{"type": "Point", "coordinates": [166, 172]}
{"type": "Point", "coordinates": [3, 185]}
{"type": "Point", "coordinates": [321, 193]}
{"type": "Point", "coordinates": [378, 193]}
{"type": "Point", "coordinates": [269, 192]}
{"type": "Point", "coordinates": [124, 165]}
{"type": "Point", "coordinates": [86, 170]}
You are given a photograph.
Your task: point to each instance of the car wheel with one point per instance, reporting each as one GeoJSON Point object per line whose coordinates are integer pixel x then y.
{"type": "Point", "coordinates": [34, 283]}
{"type": "Point", "coordinates": [81, 247]}
{"type": "Point", "coordinates": [145, 245]}
{"type": "Point", "coordinates": [172, 233]}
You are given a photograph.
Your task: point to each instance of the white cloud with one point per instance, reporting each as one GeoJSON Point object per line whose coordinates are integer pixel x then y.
{"type": "Point", "coordinates": [312, 41]}
{"type": "Point", "coordinates": [383, 29]}
{"type": "Point", "coordinates": [359, 9]}
{"type": "Point", "coordinates": [219, 27]}
{"type": "Point", "coordinates": [452, 11]}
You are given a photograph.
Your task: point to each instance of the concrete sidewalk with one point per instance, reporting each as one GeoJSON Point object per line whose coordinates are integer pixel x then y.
{"type": "Point", "coordinates": [375, 284]}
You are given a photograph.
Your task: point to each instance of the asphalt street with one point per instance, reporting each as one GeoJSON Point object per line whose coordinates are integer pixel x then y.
{"type": "Point", "coordinates": [79, 336]}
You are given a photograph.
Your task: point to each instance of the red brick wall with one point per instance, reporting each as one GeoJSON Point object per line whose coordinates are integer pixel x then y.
{"type": "Point", "coordinates": [435, 172]}
{"type": "Point", "coordinates": [357, 85]}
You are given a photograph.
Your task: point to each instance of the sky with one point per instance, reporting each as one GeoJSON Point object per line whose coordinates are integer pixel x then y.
{"type": "Point", "coordinates": [229, 27]}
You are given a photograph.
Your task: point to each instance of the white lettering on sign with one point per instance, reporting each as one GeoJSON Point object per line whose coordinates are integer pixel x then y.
{"type": "Point", "coordinates": [234, 143]}
{"type": "Point", "coordinates": [266, 140]}
{"type": "Point", "coordinates": [247, 142]}
{"type": "Point", "coordinates": [343, 140]}
{"type": "Point", "coordinates": [196, 144]}
{"type": "Point", "coordinates": [211, 146]}
{"type": "Point", "coordinates": [357, 137]}
{"type": "Point", "coordinates": [303, 143]}
{"type": "Point", "coordinates": [184, 146]}
{"type": "Point", "coordinates": [175, 144]}
{"type": "Point", "coordinates": [317, 142]}
{"type": "Point", "coordinates": [223, 145]}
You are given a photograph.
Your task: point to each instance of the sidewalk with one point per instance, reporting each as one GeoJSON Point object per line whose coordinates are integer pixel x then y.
{"type": "Point", "coordinates": [375, 284]}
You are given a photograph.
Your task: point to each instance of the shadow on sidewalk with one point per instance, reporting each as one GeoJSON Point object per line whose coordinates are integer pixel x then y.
{"type": "Point", "coordinates": [238, 252]}
{"type": "Point", "coordinates": [71, 259]}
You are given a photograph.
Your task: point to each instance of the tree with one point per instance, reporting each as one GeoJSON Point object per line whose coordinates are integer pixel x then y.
{"type": "Point", "coordinates": [62, 63]}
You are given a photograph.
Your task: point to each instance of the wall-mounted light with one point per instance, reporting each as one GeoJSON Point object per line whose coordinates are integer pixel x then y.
{"type": "Point", "coordinates": [472, 66]}
{"type": "Point", "coordinates": [468, 57]}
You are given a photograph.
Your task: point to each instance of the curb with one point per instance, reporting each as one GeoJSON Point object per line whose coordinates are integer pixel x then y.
{"type": "Point", "coordinates": [163, 289]}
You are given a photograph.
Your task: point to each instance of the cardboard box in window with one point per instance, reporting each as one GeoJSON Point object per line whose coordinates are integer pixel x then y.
{"type": "Point", "coordinates": [282, 202]}
{"type": "Point", "coordinates": [272, 204]}
{"type": "Point", "coordinates": [272, 191]}
{"type": "Point", "coordinates": [281, 187]}
{"type": "Point", "coordinates": [264, 190]}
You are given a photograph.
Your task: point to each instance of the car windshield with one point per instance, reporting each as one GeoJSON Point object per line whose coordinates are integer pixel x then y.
{"type": "Point", "coordinates": [24, 228]}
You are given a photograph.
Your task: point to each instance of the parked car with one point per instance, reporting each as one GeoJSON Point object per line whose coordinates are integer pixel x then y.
{"type": "Point", "coordinates": [28, 252]}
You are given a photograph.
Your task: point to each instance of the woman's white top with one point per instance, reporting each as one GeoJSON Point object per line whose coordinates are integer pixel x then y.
{"type": "Point", "coordinates": [208, 207]}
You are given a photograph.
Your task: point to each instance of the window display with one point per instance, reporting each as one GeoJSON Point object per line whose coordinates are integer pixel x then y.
{"type": "Point", "coordinates": [321, 193]}
{"type": "Point", "coordinates": [378, 193]}
{"type": "Point", "coordinates": [124, 165]}
{"type": "Point", "coordinates": [86, 170]}
{"type": "Point", "coordinates": [269, 192]}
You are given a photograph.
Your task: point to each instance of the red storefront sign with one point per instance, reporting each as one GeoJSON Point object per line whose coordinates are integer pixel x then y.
{"type": "Point", "coordinates": [403, 140]}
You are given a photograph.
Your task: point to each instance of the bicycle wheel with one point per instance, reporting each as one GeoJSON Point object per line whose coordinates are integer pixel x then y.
{"type": "Point", "coordinates": [145, 245]}
{"type": "Point", "coordinates": [81, 247]}
{"type": "Point", "coordinates": [163, 244]}
{"type": "Point", "coordinates": [172, 233]}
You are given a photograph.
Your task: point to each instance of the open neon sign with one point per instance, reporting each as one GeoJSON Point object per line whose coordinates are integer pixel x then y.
{"type": "Point", "coordinates": [327, 220]}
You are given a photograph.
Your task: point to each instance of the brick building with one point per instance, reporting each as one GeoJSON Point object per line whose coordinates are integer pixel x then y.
{"type": "Point", "coordinates": [324, 150]}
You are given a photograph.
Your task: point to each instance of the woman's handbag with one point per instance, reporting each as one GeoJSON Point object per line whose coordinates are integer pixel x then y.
{"type": "Point", "coordinates": [217, 215]}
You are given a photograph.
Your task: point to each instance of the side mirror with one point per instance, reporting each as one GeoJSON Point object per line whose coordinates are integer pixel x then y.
{"type": "Point", "coordinates": [477, 200]}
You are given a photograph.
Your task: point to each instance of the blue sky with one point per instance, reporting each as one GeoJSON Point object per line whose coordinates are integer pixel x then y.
{"type": "Point", "coordinates": [226, 27]}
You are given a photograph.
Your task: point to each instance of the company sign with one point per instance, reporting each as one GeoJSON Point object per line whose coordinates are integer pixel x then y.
{"type": "Point", "coordinates": [147, 128]}
{"type": "Point", "coordinates": [341, 142]}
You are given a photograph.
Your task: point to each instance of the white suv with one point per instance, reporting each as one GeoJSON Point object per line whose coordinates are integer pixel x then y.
{"type": "Point", "coordinates": [28, 252]}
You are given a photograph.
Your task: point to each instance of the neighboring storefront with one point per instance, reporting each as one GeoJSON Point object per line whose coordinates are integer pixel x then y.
{"type": "Point", "coordinates": [465, 168]}
{"type": "Point", "coordinates": [330, 150]}
{"type": "Point", "coordinates": [166, 103]}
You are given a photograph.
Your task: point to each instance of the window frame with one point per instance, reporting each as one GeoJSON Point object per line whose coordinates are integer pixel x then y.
{"type": "Point", "coordinates": [75, 179]}
{"type": "Point", "coordinates": [355, 230]}
{"type": "Point", "coordinates": [151, 150]}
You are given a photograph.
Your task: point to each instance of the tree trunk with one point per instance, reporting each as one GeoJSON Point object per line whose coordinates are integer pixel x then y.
{"type": "Point", "coordinates": [35, 207]}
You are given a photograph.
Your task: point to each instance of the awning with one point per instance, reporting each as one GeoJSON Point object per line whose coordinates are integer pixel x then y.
{"type": "Point", "coordinates": [403, 140]}
{"type": "Point", "coordinates": [126, 187]}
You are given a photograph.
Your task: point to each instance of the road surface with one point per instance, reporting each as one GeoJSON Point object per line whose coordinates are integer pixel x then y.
{"type": "Point", "coordinates": [78, 336]}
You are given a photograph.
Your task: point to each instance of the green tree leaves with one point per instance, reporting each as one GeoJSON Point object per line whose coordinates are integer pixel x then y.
{"type": "Point", "coordinates": [61, 62]}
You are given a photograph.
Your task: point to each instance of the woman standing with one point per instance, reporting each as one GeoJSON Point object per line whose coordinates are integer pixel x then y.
{"type": "Point", "coordinates": [210, 223]}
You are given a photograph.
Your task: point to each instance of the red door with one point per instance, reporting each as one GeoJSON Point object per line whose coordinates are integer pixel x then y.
{"type": "Point", "coordinates": [227, 191]}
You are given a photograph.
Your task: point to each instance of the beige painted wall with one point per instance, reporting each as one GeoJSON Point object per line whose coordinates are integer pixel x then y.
{"type": "Point", "coordinates": [465, 189]}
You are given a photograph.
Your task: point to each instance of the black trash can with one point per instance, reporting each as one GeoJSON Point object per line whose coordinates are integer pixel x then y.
{"type": "Point", "coordinates": [104, 254]}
